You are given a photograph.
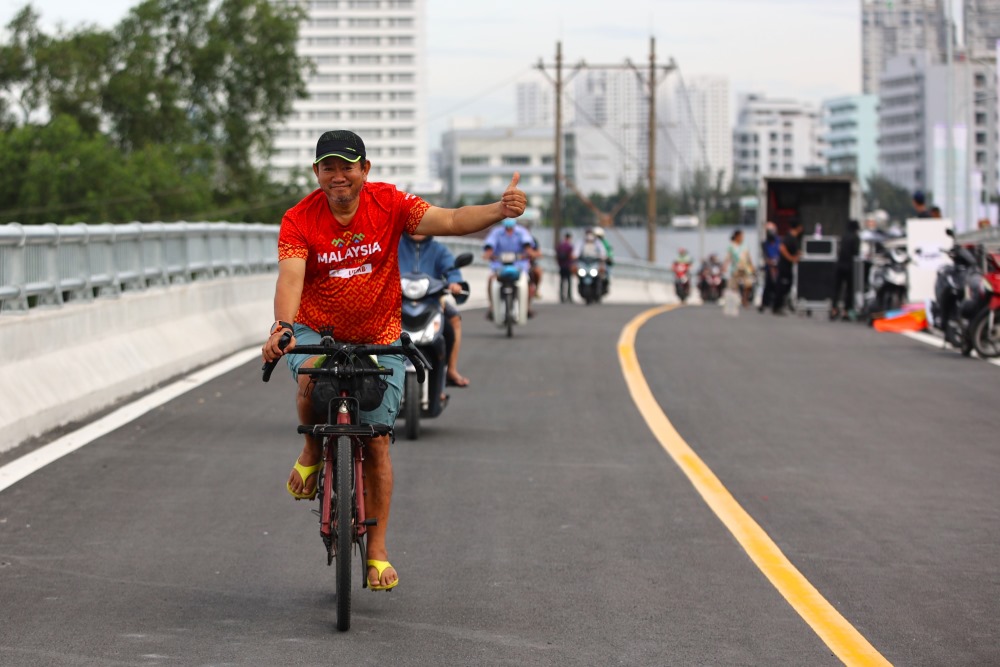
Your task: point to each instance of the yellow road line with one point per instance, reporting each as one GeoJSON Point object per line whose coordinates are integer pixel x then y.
{"type": "Point", "coordinates": [843, 639]}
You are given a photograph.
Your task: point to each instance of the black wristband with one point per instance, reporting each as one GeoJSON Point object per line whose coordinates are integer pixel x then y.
{"type": "Point", "coordinates": [279, 325]}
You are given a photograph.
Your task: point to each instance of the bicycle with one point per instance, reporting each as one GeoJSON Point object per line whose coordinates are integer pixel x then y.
{"type": "Point", "coordinates": [340, 481]}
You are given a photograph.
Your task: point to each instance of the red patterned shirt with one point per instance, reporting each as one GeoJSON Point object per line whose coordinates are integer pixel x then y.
{"type": "Point", "coordinates": [352, 272]}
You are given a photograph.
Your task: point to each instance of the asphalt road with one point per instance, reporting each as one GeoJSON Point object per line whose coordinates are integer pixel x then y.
{"type": "Point", "coordinates": [538, 521]}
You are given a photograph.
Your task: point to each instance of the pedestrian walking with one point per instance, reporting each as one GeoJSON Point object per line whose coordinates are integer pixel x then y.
{"type": "Point", "coordinates": [565, 257]}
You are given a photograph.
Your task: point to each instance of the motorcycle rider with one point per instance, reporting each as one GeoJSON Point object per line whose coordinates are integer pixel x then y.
{"type": "Point", "coordinates": [535, 272]}
{"type": "Point", "coordinates": [419, 253]}
{"type": "Point", "coordinates": [684, 257]}
{"type": "Point", "coordinates": [706, 268]}
{"type": "Point", "coordinates": [591, 248]}
{"type": "Point", "coordinates": [609, 257]}
{"type": "Point", "coordinates": [509, 237]}
{"type": "Point", "coordinates": [682, 264]}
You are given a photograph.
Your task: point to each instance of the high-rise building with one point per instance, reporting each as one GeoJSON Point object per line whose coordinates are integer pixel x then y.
{"type": "Point", "coordinates": [981, 19]}
{"type": "Point", "coordinates": [775, 137]}
{"type": "Point", "coordinates": [851, 136]}
{"type": "Point", "coordinates": [536, 105]}
{"type": "Point", "coordinates": [370, 68]}
{"type": "Point", "coordinates": [696, 131]}
{"type": "Point", "coordinates": [894, 27]}
{"type": "Point", "coordinates": [914, 139]}
{"type": "Point", "coordinates": [616, 102]}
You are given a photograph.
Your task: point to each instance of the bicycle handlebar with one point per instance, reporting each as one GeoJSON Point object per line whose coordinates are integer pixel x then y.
{"type": "Point", "coordinates": [328, 346]}
{"type": "Point", "coordinates": [268, 366]}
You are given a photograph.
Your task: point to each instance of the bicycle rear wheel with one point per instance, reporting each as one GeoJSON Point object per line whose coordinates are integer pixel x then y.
{"type": "Point", "coordinates": [343, 515]}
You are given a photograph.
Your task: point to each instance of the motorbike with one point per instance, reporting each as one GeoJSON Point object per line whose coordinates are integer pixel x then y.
{"type": "Point", "coordinates": [510, 293]}
{"type": "Point", "coordinates": [712, 283]}
{"type": "Point", "coordinates": [983, 308]}
{"type": "Point", "coordinates": [424, 321]}
{"type": "Point", "coordinates": [950, 308]}
{"type": "Point", "coordinates": [888, 281]}
{"type": "Point", "coordinates": [682, 280]}
{"type": "Point", "coordinates": [590, 283]}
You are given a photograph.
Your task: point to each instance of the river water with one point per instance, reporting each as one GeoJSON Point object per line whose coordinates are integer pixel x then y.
{"type": "Point", "coordinates": [630, 242]}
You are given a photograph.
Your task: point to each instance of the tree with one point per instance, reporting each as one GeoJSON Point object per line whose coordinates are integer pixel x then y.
{"type": "Point", "coordinates": [891, 198]}
{"type": "Point", "coordinates": [177, 103]}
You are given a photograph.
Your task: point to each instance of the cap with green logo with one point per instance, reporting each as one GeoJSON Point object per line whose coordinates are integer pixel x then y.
{"type": "Point", "coordinates": [340, 143]}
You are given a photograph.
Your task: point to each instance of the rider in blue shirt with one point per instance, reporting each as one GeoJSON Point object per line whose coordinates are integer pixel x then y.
{"type": "Point", "coordinates": [422, 254]}
{"type": "Point", "coordinates": [509, 237]}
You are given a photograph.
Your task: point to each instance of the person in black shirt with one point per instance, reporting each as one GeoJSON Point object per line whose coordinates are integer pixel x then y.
{"type": "Point", "coordinates": [920, 209]}
{"type": "Point", "coordinates": [789, 257]}
{"type": "Point", "coordinates": [843, 277]}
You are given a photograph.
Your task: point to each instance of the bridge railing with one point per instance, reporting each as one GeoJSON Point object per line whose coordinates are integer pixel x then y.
{"type": "Point", "coordinates": [47, 265]}
{"type": "Point", "coordinates": [633, 269]}
{"type": "Point", "coordinates": [50, 264]}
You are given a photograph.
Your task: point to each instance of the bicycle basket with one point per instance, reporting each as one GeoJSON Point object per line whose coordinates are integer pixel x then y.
{"type": "Point", "coordinates": [367, 389]}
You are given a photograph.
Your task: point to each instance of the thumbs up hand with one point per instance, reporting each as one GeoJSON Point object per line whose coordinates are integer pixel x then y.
{"type": "Point", "coordinates": [514, 200]}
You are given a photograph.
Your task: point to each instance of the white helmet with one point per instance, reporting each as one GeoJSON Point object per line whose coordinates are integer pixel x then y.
{"type": "Point", "coordinates": [598, 231]}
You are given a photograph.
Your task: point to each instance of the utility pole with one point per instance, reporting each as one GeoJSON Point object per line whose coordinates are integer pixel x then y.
{"type": "Point", "coordinates": [651, 140]}
{"type": "Point", "coordinates": [559, 83]}
{"type": "Point", "coordinates": [651, 82]}
{"type": "Point", "coordinates": [557, 195]}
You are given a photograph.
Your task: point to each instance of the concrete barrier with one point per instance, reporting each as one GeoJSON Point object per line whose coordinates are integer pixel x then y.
{"type": "Point", "coordinates": [65, 364]}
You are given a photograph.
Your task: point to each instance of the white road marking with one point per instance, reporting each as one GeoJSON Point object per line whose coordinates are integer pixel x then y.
{"type": "Point", "coordinates": [20, 468]}
{"type": "Point", "coordinates": [937, 341]}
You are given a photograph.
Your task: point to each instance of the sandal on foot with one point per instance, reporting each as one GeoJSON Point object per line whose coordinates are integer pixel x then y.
{"type": "Point", "coordinates": [305, 472]}
{"type": "Point", "coordinates": [380, 567]}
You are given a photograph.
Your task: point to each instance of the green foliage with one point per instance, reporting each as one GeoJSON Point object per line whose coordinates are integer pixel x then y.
{"type": "Point", "coordinates": [884, 194]}
{"type": "Point", "coordinates": [167, 116]}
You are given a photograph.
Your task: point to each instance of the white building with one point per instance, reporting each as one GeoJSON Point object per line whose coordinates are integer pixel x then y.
{"type": "Point", "coordinates": [616, 103]}
{"type": "Point", "coordinates": [370, 59]}
{"type": "Point", "coordinates": [775, 137]}
{"type": "Point", "coordinates": [893, 28]}
{"type": "Point", "coordinates": [913, 127]}
{"type": "Point", "coordinates": [850, 127]}
{"type": "Point", "coordinates": [696, 133]}
{"type": "Point", "coordinates": [476, 162]}
{"type": "Point", "coordinates": [536, 105]}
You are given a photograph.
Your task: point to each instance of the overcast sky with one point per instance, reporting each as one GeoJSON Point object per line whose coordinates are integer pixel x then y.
{"type": "Point", "coordinates": [477, 51]}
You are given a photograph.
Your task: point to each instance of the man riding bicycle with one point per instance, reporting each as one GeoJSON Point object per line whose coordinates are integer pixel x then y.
{"type": "Point", "coordinates": [338, 267]}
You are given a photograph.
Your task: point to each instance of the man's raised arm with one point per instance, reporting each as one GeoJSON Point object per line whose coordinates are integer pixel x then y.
{"type": "Point", "coordinates": [468, 219]}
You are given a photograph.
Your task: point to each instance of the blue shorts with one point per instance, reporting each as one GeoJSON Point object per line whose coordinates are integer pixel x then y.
{"type": "Point", "coordinates": [385, 413]}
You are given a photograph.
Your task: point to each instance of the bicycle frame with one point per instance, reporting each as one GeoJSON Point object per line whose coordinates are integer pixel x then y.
{"type": "Point", "coordinates": [343, 439]}
{"type": "Point", "coordinates": [326, 502]}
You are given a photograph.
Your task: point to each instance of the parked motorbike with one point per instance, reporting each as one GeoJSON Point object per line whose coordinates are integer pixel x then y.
{"type": "Point", "coordinates": [949, 313]}
{"type": "Point", "coordinates": [712, 283]}
{"type": "Point", "coordinates": [682, 280]}
{"type": "Point", "coordinates": [510, 293]}
{"type": "Point", "coordinates": [590, 283]}
{"type": "Point", "coordinates": [984, 325]}
{"type": "Point", "coordinates": [888, 281]}
{"type": "Point", "coordinates": [424, 321]}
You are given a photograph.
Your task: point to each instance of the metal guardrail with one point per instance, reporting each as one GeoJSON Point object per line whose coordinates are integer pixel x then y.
{"type": "Point", "coordinates": [51, 264]}
{"type": "Point", "coordinates": [48, 265]}
{"type": "Point", "coordinates": [633, 269]}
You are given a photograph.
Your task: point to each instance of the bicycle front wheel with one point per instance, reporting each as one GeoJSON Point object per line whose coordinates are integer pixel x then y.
{"type": "Point", "coordinates": [343, 516]}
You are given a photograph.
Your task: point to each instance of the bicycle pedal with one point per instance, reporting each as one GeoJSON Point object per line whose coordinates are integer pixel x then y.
{"type": "Point", "coordinates": [370, 522]}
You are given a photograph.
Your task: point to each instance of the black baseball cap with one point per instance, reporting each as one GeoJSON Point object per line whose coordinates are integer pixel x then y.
{"type": "Point", "coordinates": [340, 143]}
